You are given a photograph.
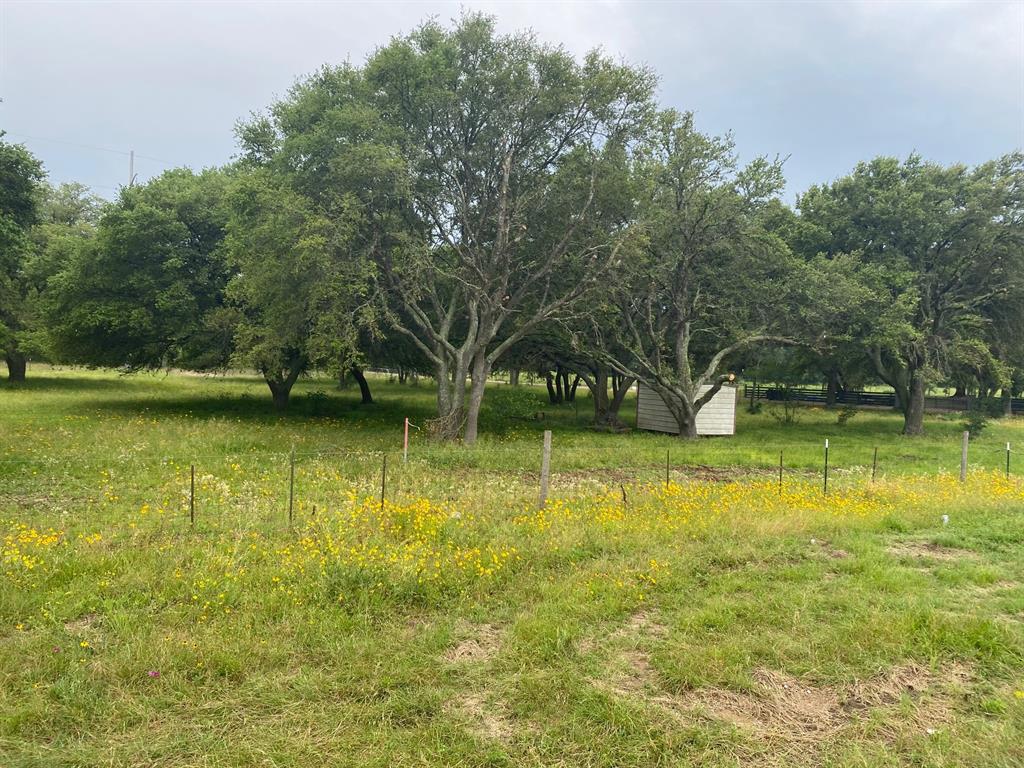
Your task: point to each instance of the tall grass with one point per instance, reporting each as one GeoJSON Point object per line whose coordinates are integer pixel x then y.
{"type": "Point", "coordinates": [709, 620]}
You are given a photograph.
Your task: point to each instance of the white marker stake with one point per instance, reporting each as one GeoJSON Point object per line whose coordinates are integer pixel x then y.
{"type": "Point", "coordinates": [825, 489]}
{"type": "Point", "coordinates": [545, 470]}
{"type": "Point", "coordinates": [405, 445]}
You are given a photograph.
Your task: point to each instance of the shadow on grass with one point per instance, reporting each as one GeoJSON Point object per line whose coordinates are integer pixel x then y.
{"type": "Point", "coordinates": [245, 406]}
{"type": "Point", "coordinates": [69, 384]}
{"type": "Point", "coordinates": [316, 401]}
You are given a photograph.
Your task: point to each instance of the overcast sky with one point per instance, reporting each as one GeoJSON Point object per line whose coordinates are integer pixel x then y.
{"type": "Point", "coordinates": [826, 83]}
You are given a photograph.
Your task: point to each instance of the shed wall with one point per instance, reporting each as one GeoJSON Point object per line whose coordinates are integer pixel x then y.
{"type": "Point", "coordinates": [718, 417]}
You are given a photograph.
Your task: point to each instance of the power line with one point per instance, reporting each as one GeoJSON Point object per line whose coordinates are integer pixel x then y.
{"type": "Point", "coordinates": [69, 143]}
{"type": "Point", "coordinates": [123, 152]}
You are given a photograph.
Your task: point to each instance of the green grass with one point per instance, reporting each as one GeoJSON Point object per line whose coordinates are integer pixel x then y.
{"type": "Point", "coordinates": [711, 623]}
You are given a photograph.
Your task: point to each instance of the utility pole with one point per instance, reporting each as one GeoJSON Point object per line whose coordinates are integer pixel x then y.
{"type": "Point", "coordinates": [131, 167]}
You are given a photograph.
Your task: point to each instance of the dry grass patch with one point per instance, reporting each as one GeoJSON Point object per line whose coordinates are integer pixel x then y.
{"type": "Point", "coordinates": [482, 645]}
{"type": "Point", "coordinates": [781, 709]}
{"type": "Point", "coordinates": [919, 550]}
{"type": "Point", "coordinates": [86, 624]}
{"type": "Point", "coordinates": [486, 720]}
{"type": "Point", "coordinates": [642, 623]}
{"type": "Point", "coordinates": [789, 719]}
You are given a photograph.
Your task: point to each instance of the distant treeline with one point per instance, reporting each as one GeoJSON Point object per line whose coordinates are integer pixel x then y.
{"type": "Point", "coordinates": [467, 201]}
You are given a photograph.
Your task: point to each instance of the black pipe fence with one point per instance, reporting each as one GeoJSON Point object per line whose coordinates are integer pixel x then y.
{"type": "Point", "coordinates": [777, 394]}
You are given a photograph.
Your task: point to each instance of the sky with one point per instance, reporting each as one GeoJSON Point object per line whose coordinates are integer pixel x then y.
{"type": "Point", "coordinates": [826, 84]}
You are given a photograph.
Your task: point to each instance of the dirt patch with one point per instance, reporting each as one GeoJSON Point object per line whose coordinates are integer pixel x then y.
{"type": "Point", "coordinates": [85, 624]}
{"type": "Point", "coordinates": [995, 588]}
{"type": "Point", "coordinates": [642, 623]}
{"type": "Point", "coordinates": [613, 477]}
{"type": "Point", "coordinates": [483, 644]}
{"type": "Point", "coordinates": [598, 475]}
{"type": "Point", "coordinates": [632, 676]}
{"type": "Point", "coordinates": [829, 551]}
{"type": "Point", "coordinates": [486, 720]}
{"type": "Point", "coordinates": [779, 705]}
{"type": "Point", "coordinates": [788, 713]}
{"type": "Point", "coordinates": [722, 474]}
{"type": "Point", "coordinates": [929, 550]}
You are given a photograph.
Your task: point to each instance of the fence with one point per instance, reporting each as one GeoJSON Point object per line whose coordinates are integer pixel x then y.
{"type": "Point", "coordinates": [280, 485]}
{"type": "Point", "coordinates": [859, 398]}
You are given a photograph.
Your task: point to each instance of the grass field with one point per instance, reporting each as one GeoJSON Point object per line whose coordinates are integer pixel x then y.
{"type": "Point", "coordinates": [708, 621]}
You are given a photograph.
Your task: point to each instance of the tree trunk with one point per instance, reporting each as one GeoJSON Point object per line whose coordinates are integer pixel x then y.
{"type": "Point", "coordinates": [513, 377]}
{"type": "Point", "coordinates": [832, 388]}
{"type": "Point", "coordinates": [403, 375]}
{"type": "Point", "coordinates": [481, 369]}
{"type": "Point", "coordinates": [559, 392]}
{"type": "Point", "coordinates": [913, 419]}
{"type": "Point", "coordinates": [685, 415]}
{"type": "Point", "coordinates": [549, 379]}
{"type": "Point", "coordinates": [688, 429]}
{"type": "Point", "coordinates": [451, 399]}
{"type": "Point", "coordinates": [682, 411]}
{"type": "Point", "coordinates": [16, 365]}
{"type": "Point", "coordinates": [280, 391]}
{"type": "Point", "coordinates": [599, 392]}
{"type": "Point", "coordinates": [281, 383]}
{"type": "Point", "coordinates": [364, 387]}
{"type": "Point", "coordinates": [620, 388]}
{"type": "Point", "coordinates": [1007, 402]}
{"type": "Point", "coordinates": [572, 389]}
{"type": "Point", "coordinates": [960, 391]}
{"type": "Point", "coordinates": [444, 386]}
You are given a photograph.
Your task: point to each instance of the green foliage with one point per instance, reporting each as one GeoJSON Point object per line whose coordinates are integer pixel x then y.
{"type": "Point", "coordinates": [139, 294]}
{"type": "Point", "coordinates": [21, 177]}
{"type": "Point", "coordinates": [977, 417]}
{"type": "Point", "coordinates": [468, 199]}
{"type": "Point", "coordinates": [710, 278]}
{"type": "Point", "coordinates": [846, 413]}
{"type": "Point", "coordinates": [934, 245]}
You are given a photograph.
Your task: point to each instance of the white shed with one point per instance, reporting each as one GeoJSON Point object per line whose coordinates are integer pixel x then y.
{"type": "Point", "coordinates": [718, 417]}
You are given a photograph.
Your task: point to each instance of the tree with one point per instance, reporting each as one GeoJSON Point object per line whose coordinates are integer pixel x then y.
{"type": "Point", "coordinates": [68, 215]}
{"type": "Point", "coordinates": [709, 280]}
{"type": "Point", "coordinates": [285, 281]}
{"type": "Point", "coordinates": [323, 165]}
{"type": "Point", "coordinates": [940, 242]}
{"type": "Point", "coordinates": [140, 293]}
{"type": "Point", "coordinates": [21, 176]}
{"type": "Point", "coordinates": [505, 140]}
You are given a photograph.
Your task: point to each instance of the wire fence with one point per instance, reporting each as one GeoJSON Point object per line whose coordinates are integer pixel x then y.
{"type": "Point", "coordinates": [323, 472]}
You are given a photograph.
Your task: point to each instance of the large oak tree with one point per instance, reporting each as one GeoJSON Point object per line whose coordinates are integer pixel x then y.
{"type": "Point", "coordinates": [709, 280]}
{"type": "Point", "coordinates": [937, 245]}
{"type": "Point", "coordinates": [505, 140]}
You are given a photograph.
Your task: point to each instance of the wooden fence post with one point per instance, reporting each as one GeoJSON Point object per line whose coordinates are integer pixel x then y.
{"type": "Point", "coordinates": [545, 470]}
{"type": "Point", "coordinates": [780, 473]}
{"type": "Point", "coordinates": [963, 456]}
{"type": "Point", "coordinates": [291, 486]}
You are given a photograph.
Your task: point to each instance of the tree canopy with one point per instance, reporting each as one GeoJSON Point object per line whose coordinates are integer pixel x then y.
{"type": "Point", "coordinates": [467, 200]}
